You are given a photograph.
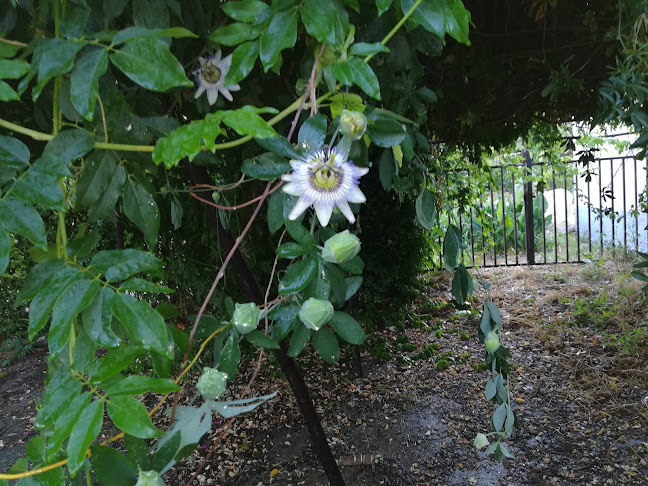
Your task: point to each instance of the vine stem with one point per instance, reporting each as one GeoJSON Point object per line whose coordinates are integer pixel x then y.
{"type": "Point", "coordinates": [230, 208]}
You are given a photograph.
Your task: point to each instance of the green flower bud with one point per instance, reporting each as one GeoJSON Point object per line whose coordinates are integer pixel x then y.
{"type": "Point", "coordinates": [481, 441]}
{"type": "Point", "coordinates": [246, 317]}
{"type": "Point", "coordinates": [341, 247]}
{"type": "Point", "coordinates": [492, 342]}
{"type": "Point", "coordinates": [149, 478]}
{"type": "Point", "coordinates": [212, 383]}
{"type": "Point", "coordinates": [314, 313]}
{"type": "Point", "coordinates": [353, 124]}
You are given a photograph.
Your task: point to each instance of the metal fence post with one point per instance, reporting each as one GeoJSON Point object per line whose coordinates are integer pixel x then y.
{"type": "Point", "coordinates": [528, 212]}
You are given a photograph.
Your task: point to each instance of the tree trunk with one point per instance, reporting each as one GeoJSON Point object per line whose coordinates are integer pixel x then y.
{"type": "Point", "coordinates": [253, 293]}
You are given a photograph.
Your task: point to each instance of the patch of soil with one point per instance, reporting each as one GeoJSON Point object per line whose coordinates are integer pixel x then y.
{"type": "Point", "coordinates": [581, 405]}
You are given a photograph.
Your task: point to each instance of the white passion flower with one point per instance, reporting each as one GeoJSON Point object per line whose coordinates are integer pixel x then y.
{"type": "Point", "coordinates": [210, 77]}
{"type": "Point", "coordinates": [324, 179]}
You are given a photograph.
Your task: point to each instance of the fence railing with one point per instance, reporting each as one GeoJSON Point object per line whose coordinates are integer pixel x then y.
{"type": "Point", "coordinates": [567, 217]}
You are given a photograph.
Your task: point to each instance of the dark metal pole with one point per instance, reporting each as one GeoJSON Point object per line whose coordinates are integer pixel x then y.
{"type": "Point", "coordinates": [253, 293]}
{"type": "Point", "coordinates": [528, 213]}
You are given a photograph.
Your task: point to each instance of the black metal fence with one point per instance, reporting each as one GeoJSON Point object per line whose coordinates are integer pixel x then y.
{"type": "Point", "coordinates": [532, 214]}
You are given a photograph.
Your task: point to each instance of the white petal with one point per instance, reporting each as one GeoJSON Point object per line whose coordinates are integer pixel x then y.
{"type": "Point", "coordinates": [302, 205]}
{"type": "Point", "coordinates": [233, 87]}
{"type": "Point", "coordinates": [216, 58]}
{"type": "Point", "coordinates": [226, 93]}
{"type": "Point", "coordinates": [293, 189]}
{"type": "Point", "coordinates": [212, 95]}
{"type": "Point", "coordinates": [225, 64]}
{"type": "Point", "coordinates": [360, 171]}
{"type": "Point", "coordinates": [199, 91]}
{"type": "Point", "coordinates": [324, 211]}
{"type": "Point", "coordinates": [355, 195]}
{"type": "Point", "coordinates": [346, 210]}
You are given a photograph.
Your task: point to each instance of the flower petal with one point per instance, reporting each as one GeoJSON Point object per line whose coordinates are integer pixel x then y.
{"type": "Point", "coordinates": [212, 95]}
{"type": "Point", "coordinates": [216, 58]}
{"type": "Point", "coordinates": [233, 87]}
{"type": "Point", "coordinates": [225, 64]}
{"type": "Point", "coordinates": [323, 209]}
{"type": "Point", "coordinates": [199, 91]}
{"type": "Point", "coordinates": [293, 188]}
{"type": "Point", "coordinates": [355, 195]}
{"type": "Point", "coordinates": [302, 205]}
{"type": "Point", "coordinates": [226, 93]}
{"type": "Point", "coordinates": [346, 210]}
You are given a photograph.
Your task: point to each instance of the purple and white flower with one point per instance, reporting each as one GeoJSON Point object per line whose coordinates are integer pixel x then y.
{"type": "Point", "coordinates": [324, 180]}
{"type": "Point", "coordinates": [210, 77]}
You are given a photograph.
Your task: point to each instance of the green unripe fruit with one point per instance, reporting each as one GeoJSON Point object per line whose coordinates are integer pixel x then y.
{"type": "Point", "coordinates": [314, 313]}
{"type": "Point", "coordinates": [353, 124]}
{"type": "Point", "coordinates": [341, 247]}
{"type": "Point", "coordinates": [246, 317]}
{"type": "Point", "coordinates": [212, 383]}
{"type": "Point", "coordinates": [149, 478]}
{"type": "Point", "coordinates": [492, 342]}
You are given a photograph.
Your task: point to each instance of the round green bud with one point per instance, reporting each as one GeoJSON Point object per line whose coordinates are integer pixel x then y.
{"type": "Point", "coordinates": [353, 124]}
{"type": "Point", "coordinates": [314, 313]}
{"type": "Point", "coordinates": [212, 383]}
{"type": "Point", "coordinates": [492, 342]}
{"type": "Point", "coordinates": [341, 247]}
{"type": "Point", "coordinates": [149, 478]}
{"type": "Point", "coordinates": [246, 317]}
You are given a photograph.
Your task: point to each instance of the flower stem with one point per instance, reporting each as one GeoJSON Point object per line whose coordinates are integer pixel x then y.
{"type": "Point", "coordinates": [396, 27]}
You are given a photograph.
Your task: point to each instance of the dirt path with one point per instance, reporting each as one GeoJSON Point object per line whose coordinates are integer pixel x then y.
{"type": "Point", "coordinates": [581, 405]}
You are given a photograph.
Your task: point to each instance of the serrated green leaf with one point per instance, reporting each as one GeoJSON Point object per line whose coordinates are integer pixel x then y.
{"type": "Point", "coordinates": [245, 10]}
{"type": "Point", "coordinates": [299, 340]}
{"type": "Point", "coordinates": [148, 62]}
{"type": "Point", "coordinates": [112, 467]}
{"type": "Point", "coordinates": [72, 301]}
{"type": "Point", "coordinates": [386, 133]}
{"type": "Point", "coordinates": [42, 303]}
{"type": "Point", "coordinates": [114, 362]}
{"type": "Point", "coordinates": [348, 328]}
{"type": "Point", "coordinates": [56, 57]}
{"type": "Point", "coordinates": [136, 385]}
{"type": "Point", "coordinates": [280, 34]}
{"type": "Point", "coordinates": [97, 319]}
{"type": "Point", "coordinates": [230, 356]}
{"type": "Point", "coordinates": [243, 59]}
{"type": "Point", "coordinates": [141, 209]}
{"type": "Point", "coordinates": [298, 276]}
{"type": "Point", "coordinates": [235, 34]}
{"type": "Point", "coordinates": [20, 218]}
{"type": "Point", "coordinates": [121, 264]}
{"type": "Point", "coordinates": [142, 323]}
{"type": "Point", "coordinates": [130, 415]}
{"type": "Point", "coordinates": [426, 209]}
{"type": "Point", "coordinates": [85, 81]}
{"type": "Point", "coordinates": [100, 184]}
{"type": "Point", "coordinates": [85, 431]}
{"type": "Point", "coordinates": [357, 72]}
{"type": "Point", "coordinates": [321, 20]}
{"type": "Point", "coordinates": [326, 345]}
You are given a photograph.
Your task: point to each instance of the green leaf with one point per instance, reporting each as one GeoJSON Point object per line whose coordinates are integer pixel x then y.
{"type": "Point", "coordinates": [151, 14]}
{"type": "Point", "coordinates": [386, 169]}
{"type": "Point", "coordinates": [137, 451]}
{"type": "Point", "coordinates": [97, 319]}
{"type": "Point", "coordinates": [141, 285]}
{"type": "Point", "coordinates": [441, 17]}
{"type": "Point", "coordinates": [167, 450]}
{"type": "Point", "coordinates": [426, 209]}
{"type": "Point", "coordinates": [41, 184]}
{"type": "Point", "coordinates": [280, 34]}
{"type": "Point", "coordinates": [639, 276]}
{"type": "Point", "coordinates": [291, 250]}
{"type": "Point", "coordinates": [494, 312]}
{"type": "Point", "coordinates": [386, 133]}
{"type": "Point", "coordinates": [383, 6]}
{"type": "Point", "coordinates": [186, 141]}
{"type": "Point", "coordinates": [245, 10]}
{"type": "Point", "coordinates": [275, 212]}
{"type": "Point", "coordinates": [42, 304]}
{"type": "Point", "coordinates": [66, 421]}
{"type": "Point", "coordinates": [56, 57]}
{"type": "Point", "coordinates": [363, 49]}
{"type": "Point", "coordinates": [348, 328]}
{"type": "Point", "coordinates": [112, 467]}
{"type": "Point", "coordinates": [121, 264]}
{"type": "Point", "coordinates": [322, 22]}
{"type": "Point", "coordinates": [82, 246]}
{"type": "Point", "coordinates": [148, 62]}
{"type": "Point", "coordinates": [298, 276]}
{"type": "Point", "coordinates": [141, 209]}
{"type": "Point", "coordinates": [22, 219]}
{"type": "Point", "coordinates": [352, 284]}
{"type": "Point", "coordinates": [100, 184]}
{"type": "Point", "coordinates": [69, 145]}
{"type": "Point", "coordinates": [37, 277]}
{"type": "Point", "coordinates": [8, 50]}
{"type": "Point", "coordinates": [136, 385]}
{"type": "Point", "coordinates": [142, 323]}
{"type": "Point", "coordinates": [279, 145]}
{"type": "Point", "coordinates": [13, 69]}
{"type": "Point", "coordinates": [130, 415]}
{"type": "Point", "coordinates": [5, 247]}
{"type": "Point", "coordinates": [76, 297]}
{"type": "Point", "coordinates": [230, 356]}
{"type": "Point", "coordinates": [246, 121]}
{"type": "Point", "coordinates": [326, 345]}
{"type": "Point", "coordinates": [84, 432]}
{"type": "Point", "coordinates": [85, 80]}
{"type": "Point", "coordinates": [61, 387]}
{"type": "Point", "coordinates": [312, 134]}
{"type": "Point", "coordinates": [234, 34]}
{"type": "Point", "coordinates": [258, 338]}
{"type": "Point", "coordinates": [243, 59]}
{"type": "Point", "coordinates": [461, 284]}
{"type": "Point", "coordinates": [299, 340]}
{"type": "Point", "coordinates": [337, 284]}
{"type": "Point", "coordinates": [35, 450]}
{"type": "Point", "coordinates": [114, 362]}
{"type": "Point", "coordinates": [7, 93]}
{"type": "Point", "coordinates": [499, 417]}
{"type": "Point", "coordinates": [284, 318]}
{"type": "Point", "coordinates": [13, 153]}
{"type": "Point", "coordinates": [450, 249]}
{"type": "Point", "coordinates": [357, 72]}
{"type": "Point", "coordinates": [427, 94]}
{"type": "Point", "coordinates": [354, 266]}
{"type": "Point", "coordinates": [300, 234]}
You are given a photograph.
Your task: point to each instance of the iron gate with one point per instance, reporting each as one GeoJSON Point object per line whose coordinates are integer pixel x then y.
{"type": "Point", "coordinates": [530, 215]}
